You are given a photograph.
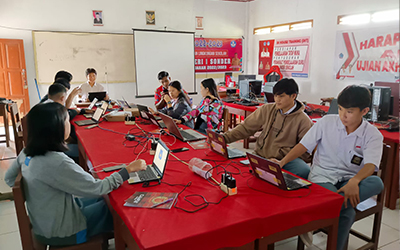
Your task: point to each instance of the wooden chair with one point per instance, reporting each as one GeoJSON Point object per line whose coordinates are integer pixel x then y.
{"type": "Point", "coordinates": [25, 227]}
{"type": "Point", "coordinates": [17, 127]}
{"type": "Point", "coordinates": [226, 117]}
{"type": "Point", "coordinates": [377, 211]}
{"type": "Point", "coordinates": [24, 130]}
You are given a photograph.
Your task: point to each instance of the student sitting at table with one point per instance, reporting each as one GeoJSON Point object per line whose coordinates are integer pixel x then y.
{"type": "Point", "coordinates": [64, 78]}
{"type": "Point", "coordinates": [164, 79]}
{"type": "Point", "coordinates": [209, 112]}
{"type": "Point", "coordinates": [349, 151]}
{"type": "Point", "coordinates": [91, 85]}
{"type": "Point", "coordinates": [179, 105]}
{"type": "Point", "coordinates": [283, 125]}
{"type": "Point", "coordinates": [53, 180]}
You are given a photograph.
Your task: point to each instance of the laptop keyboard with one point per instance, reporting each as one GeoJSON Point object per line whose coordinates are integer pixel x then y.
{"type": "Point", "coordinates": [234, 152]}
{"type": "Point", "coordinates": [189, 136]}
{"type": "Point", "coordinates": [291, 182]}
{"type": "Point", "coordinates": [146, 174]}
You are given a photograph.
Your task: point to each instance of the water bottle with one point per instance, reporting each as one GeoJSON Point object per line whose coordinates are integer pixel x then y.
{"type": "Point", "coordinates": [200, 167]}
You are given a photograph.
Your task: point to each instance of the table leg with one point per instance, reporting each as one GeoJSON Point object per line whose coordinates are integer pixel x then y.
{"type": "Point", "coordinates": [394, 187]}
{"type": "Point", "coordinates": [6, 126]}
{"type": "Point", "coordinates": [118, 239]}
{"type": "Point", "coordinates": [332, 235]}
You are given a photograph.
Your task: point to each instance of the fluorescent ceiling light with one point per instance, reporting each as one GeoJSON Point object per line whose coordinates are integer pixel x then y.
{"type": "Point", "coordinates": [280, 28]}
{"type": "Point", "coordinates": [301, 26]}
{"type": "Point", "coordinates": [263, 31]}
{"type": "Point", "coordinates": [355, 19]}
{"type": "Point", "coordinates": [382, 16]}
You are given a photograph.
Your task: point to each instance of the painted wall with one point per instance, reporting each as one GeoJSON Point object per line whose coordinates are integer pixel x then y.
{"type": "Point", "coordinates": [321, 82]}
{"type": "Point", "coordinates": [221, 19]}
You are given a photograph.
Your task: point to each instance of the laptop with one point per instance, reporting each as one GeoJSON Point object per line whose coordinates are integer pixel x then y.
{"type": "Point", "coordinates": [99, 95]}
{"type": "Point", "coordinates": [333, 108]}
{"type": "Point", "coordinates": [126, 103]}
{"type": "Point", "coordinates": [154, 172]}
{"type": "Point", "coordinates": [183, 135]}
{"type": "Point", "coordinates": [271, 172]}
{"type": "Point", "coordinates": [218, 145]}
{"type": "Point", "coordinates": [90, 107]}
{"type": "Point", "coordinates": [143, 111]}
{"type": "Point", "coordinates": [154, 120]}
{"type": "Point", "coordinates": [94, 119]}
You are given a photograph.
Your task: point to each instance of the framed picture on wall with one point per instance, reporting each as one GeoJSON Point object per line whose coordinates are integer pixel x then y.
{"type": "Point", "coordinates": [199, 23]}
{"type": "Point", "coordinates": [97, 17]}
{"type": "Point", "coordinates": [150, 17]}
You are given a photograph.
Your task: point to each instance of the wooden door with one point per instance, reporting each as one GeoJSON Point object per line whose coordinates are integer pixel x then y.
{"type": "Point", "coordinates": [13, 81]}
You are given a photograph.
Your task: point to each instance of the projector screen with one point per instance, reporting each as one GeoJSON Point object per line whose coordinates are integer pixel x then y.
{"type": "Point", "coordinates": [156, 51]}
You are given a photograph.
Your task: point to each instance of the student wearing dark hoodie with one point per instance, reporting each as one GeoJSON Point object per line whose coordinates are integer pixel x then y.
{"type": "Point", "coordinates": [283, 125]}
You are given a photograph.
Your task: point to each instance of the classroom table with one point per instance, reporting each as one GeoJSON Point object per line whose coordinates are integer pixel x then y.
{"type": "Point", "coordinates": [244, 221]}
{"type": "Point", "coordinates": [390, 138]}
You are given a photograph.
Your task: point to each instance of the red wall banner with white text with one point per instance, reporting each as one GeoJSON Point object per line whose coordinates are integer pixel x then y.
{"type": "Point", "coordinates": [368, 54]}
{"type": "Point", "coordinates": [218, 55]}
{"type": "Point", "coordinates": [290, 54]}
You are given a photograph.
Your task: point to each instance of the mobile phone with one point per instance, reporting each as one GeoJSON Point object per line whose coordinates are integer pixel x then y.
{"type": "Point", "coordinates": [179, 150]}
{"type": "Point", "coordinates": [117, 167]}
{"type": "Point", "coordinates": [245, 162]}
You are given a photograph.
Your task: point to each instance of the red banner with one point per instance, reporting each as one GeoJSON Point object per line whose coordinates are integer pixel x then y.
{"type": "Point", "coordinates": [218, 55]}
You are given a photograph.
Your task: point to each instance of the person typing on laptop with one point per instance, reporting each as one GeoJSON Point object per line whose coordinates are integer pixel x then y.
{"type": "Point", "coordinates": [349, 151]}
{"type": "Point", "coordinates": [180, 105]}
{"type": "Point", "coordinates": [91, 85]}
{"type": "Point", "coordinates": [283, 125]}
{"type": "Point", "coordinates": [55, 182]}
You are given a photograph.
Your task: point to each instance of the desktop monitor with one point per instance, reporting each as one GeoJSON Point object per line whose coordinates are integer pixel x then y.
{"type": "Point", "coordinates": [268, 88]}
{"type": "Point", "coordinates": [380, 104]}
{"type": "Point", "coordinates": [255, 87]}
{"type": "Point", "coordinates": [395, 96]}
{"type": "Point", "coordinates": [247, 77]}
{"type": "Point", "coordinates": [244, 89]}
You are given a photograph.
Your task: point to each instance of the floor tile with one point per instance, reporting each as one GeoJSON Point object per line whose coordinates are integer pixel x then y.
{"type": "Point", "coordinates": [8, 223]}
{"type": "Point", "coordinates": [7, 207]}
{"type": "Point", "coordinates": [392, 246]}
{"type": "Point", "coordinates": [10, 241]}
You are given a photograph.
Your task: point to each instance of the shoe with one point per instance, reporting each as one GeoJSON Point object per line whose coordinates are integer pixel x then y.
{"type": "Point", "coordinates": [307, 238]}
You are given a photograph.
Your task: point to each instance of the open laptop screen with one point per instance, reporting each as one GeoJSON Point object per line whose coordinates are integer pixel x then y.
{"type": "Point", "coordinates": [160, 157]}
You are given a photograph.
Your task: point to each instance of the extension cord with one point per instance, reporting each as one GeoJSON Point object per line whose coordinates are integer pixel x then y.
{"type": "Point", "coordinates": [229, 191]}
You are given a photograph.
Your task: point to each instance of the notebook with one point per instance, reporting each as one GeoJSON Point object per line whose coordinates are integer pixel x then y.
{"type": "Point", "coordinates": [218, 145]}
{"type": "Point", "coordinates": [154, 172]}
{"type": "Point", "coordinates": [183, 135]}
{"type": "Point", "coordinates": [271, 172]}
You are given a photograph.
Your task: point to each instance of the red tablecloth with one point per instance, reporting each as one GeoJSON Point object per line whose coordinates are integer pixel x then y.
{"type": "Point", "coordinates": [242, 107]}
{"type": "Point", "coordinates": [237, 220]}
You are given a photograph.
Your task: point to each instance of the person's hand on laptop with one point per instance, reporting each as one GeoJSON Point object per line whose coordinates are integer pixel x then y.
{"type": "Point", "coordinates": [276, 161]}
{"type": "Point", "coordinates": [136, 166]}
{"type": "Point", "coordinates": [153, 112]}
{"type": "Point", "coordinates": [177, 121]}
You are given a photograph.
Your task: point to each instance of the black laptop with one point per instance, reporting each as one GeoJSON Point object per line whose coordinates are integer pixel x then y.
{"type": "Point", "coordinates": [99, 95]}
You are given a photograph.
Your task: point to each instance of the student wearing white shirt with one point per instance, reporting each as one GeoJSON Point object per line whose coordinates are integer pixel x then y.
{"type": "Point", "coordinates": [349, 151]}
{"type": "Point", "coordinates": [91, 85]}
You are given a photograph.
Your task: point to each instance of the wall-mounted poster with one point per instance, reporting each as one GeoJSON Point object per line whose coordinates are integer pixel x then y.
{"type": "Point", "coordinates": [218, 54]}
{"type": "Point", "coordinates": [290, 54]}
{"type": "Point", "coordinates": [199, 23]}
{"type": "Point", "coordinates": [370, 54]}
{"type": "Point", "coordinates": [150, 17]}
{"type": "Point", "coordinates": [97, 17]}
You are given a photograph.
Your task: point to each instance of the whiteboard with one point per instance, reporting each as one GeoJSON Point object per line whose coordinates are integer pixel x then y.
{"type": "Point", "coordinates": [157, 51]}
{"type": "Point", "coordinates": [110, 54]}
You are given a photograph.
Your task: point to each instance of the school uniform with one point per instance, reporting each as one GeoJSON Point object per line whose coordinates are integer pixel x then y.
{"type": "Point", "coordinates": [86, 89]}
{"type": "Point", "coordinates": [339, 157]}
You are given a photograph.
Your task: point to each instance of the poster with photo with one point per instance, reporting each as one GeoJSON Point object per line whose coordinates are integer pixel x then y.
{"type": "Point", "coordinates": [97, 18]}
{"type": "Point", "coordinates": [199, 23]}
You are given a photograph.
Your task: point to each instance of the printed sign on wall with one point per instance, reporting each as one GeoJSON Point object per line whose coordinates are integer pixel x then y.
{"type": "Point", "coordinates": [218, 55]}
{"type": "Point", "coordinates": [290, 54]}
{"type": "Point", "coordinates": [371, 55]}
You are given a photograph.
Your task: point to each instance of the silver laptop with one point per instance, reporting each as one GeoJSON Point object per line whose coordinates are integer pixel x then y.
{"type": "Point", "coordinates": [183, 135]}
{"type": "Point", "coordinates": [95, 118]}
{"type": "Point", "coordinates": [154, 172]}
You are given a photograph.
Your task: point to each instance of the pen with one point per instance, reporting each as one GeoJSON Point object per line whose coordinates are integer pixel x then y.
{"type": "Point", "coordinates": [164, 202]}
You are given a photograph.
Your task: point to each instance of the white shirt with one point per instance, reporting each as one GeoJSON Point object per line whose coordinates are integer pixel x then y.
{"type": "Point", "coordinates": [86, 88]}
{"type": "Point", "coordinates": [290, 110]}
{"type": "Point", "coordinates": [338, 151]}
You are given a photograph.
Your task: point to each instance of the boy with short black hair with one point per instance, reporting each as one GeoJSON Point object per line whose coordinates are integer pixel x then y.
{"type": "Point", "coordinates": [91, 85]}
{"type": "Point", "coordinates": [349, 152]}
{"type": "Point", "coordinates": [283, 124]}
{"type": "Point", "coordinates": [161, 95]}
{"type": "Point", "coordinates": [57, 93]}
